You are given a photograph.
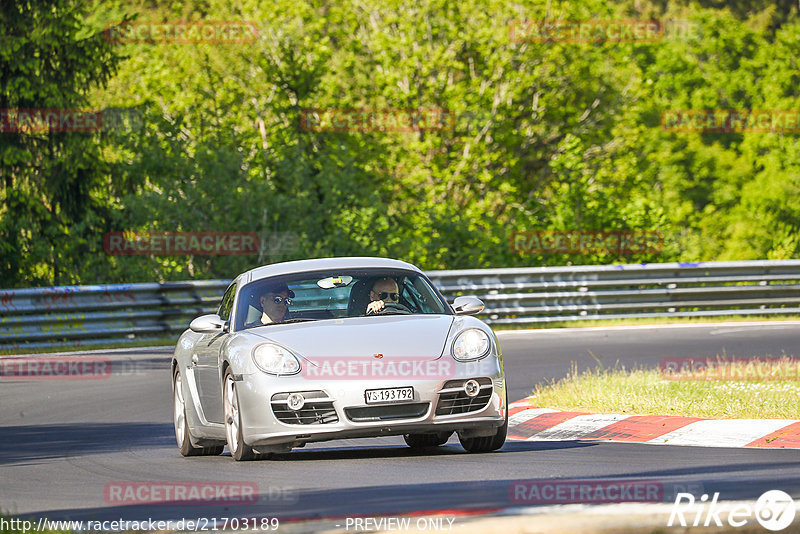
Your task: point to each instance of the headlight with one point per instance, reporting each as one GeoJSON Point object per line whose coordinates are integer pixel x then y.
{"type": "Point", "coordinates": [275, 360]}
{"type": "Point", "coordinates": [471, 344]}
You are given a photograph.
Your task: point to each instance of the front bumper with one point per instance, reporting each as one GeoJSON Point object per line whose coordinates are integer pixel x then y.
{"type": "Point", "coordinates": [348, 415]}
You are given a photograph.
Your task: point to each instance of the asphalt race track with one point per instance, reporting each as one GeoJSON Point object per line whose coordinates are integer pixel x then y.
{"type": "Point", "coordinates": [63, 441]}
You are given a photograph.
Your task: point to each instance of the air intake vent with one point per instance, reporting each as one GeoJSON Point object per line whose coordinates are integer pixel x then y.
{"type": "Point", "coordinates": [387, 412]}
{"type": "Point", "coordinates": [454, 400]}
{"type": "Point", "coordinates": [317, 409]}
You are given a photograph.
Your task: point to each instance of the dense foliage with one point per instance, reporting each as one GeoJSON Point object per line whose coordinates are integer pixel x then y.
{"type": "Point", "coordinates": [541, 135]}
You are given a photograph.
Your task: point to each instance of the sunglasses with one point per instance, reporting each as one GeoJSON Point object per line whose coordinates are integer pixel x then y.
{"type": "Point", "coordinates": [384, 295]}
{"type": "Point", "coordinates": [279, 300]}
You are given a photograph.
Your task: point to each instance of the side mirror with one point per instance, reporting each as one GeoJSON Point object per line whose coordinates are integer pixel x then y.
{"type": "Point", "coordinates": [207, 324]}
{"type": "Point", "coordinates": [468, 305]}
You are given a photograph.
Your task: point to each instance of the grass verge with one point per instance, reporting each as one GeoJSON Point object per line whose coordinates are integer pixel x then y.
{"type": "Point", "coordinates": [647, 392]}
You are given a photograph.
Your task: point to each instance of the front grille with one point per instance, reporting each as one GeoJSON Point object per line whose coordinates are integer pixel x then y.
{"type": "Point", "coordinates": [317, 410]}
{"type": "Point", "coordinates": [453, 399]}
{"type": "Point", "coordinates": [387, 412]}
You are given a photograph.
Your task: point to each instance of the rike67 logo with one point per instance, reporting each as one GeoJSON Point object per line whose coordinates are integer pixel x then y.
{"type": "Point", "coordinates": [774, 510]}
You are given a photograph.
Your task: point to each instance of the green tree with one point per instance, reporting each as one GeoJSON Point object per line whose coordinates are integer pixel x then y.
{"type": "Point", "coordinates": [51, 183]}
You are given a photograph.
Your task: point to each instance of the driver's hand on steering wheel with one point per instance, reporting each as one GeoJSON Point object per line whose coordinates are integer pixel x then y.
{"type": "Point", "coordinates": [375, 306]}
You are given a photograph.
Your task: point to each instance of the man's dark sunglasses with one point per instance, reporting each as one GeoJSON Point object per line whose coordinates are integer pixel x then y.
{"type": "Point", "coordinates": [278, 300]}
{"type": "Point", "coordinates": [384, 295]}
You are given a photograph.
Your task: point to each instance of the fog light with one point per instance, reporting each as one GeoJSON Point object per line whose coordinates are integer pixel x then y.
{"type": "Point", "coordinates": [472, 388]}
{"type": "Point", "coordinates": [295, 401]}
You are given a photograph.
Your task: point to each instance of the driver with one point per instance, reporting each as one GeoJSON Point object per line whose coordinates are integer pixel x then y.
{"type": "Point", "coordinates": [383, 290]}
{"type": "Point", "coordinates": [275, 302]}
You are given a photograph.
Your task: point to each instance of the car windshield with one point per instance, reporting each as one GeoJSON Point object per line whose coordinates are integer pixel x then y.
{"type": "Point", "coordinates": [335, 294]}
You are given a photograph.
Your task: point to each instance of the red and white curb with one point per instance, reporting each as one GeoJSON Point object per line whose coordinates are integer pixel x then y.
{"type": "Point", "coordinates": [528, 423]}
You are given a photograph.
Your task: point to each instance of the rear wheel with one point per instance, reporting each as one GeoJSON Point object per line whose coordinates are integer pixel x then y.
{"type": "Point", "coordinates": [182, 434]}
{"type": "Point", "coordinates": [488, 443]}
{"type": "Point", "coordinates": [233, 421]}
{"type": "Point", "coordinates": [420, 441]}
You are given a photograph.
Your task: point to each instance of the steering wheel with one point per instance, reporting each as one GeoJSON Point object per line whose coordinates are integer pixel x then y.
{"type": "Point", "coordinates": [391, 308]}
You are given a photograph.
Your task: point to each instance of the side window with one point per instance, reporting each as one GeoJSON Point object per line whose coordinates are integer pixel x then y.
{"type": "Point", "coordinates": [226, 305]}
{"type": "Point", "coordinates": [414, 297]}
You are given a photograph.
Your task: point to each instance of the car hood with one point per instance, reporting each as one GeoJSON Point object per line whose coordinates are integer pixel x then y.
{"type": "Point", "coordinates": [421, 337]}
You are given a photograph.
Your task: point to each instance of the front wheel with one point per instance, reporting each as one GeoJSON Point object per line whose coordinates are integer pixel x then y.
{"type": "Point", "coordinates": [233, 421]}
{"type": "Point", "coordinates": [182, 434]}
{"type": "Point", "coordinates": [488, 443]}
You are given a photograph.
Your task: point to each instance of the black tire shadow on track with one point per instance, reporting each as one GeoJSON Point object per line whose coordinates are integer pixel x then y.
{"type": "Point", "coordinates": [30, 443]}
{"type": "Point", "coordinates": [401, 451]}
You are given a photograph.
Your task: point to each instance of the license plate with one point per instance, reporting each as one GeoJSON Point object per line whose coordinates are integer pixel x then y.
{"type": "Point", "coordinates": [377, 396]}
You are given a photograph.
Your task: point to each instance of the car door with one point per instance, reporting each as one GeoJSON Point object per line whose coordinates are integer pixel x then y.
{"type": "Point", "coordinates": [206, 361]}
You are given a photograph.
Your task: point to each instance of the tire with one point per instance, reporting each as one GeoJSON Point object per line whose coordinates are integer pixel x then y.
{"type": "Point", "coordinates": [421, 441]}
{"type": "Point", "coordinates": [240, 451]}
{"type": "Point", "coordinates": [182, 434]}
{"type": "Point", "coordinates": [488, 443]}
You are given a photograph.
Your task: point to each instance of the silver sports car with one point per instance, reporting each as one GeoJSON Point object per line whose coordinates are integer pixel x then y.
{"type": "Point", "coordinates": [325, 349]}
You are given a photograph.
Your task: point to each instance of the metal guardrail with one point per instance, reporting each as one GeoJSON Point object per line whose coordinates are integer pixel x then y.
{"type": "Point", "coordinates": [589, 292]}
{"type": "Point", "coordinates": [91, 315]}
